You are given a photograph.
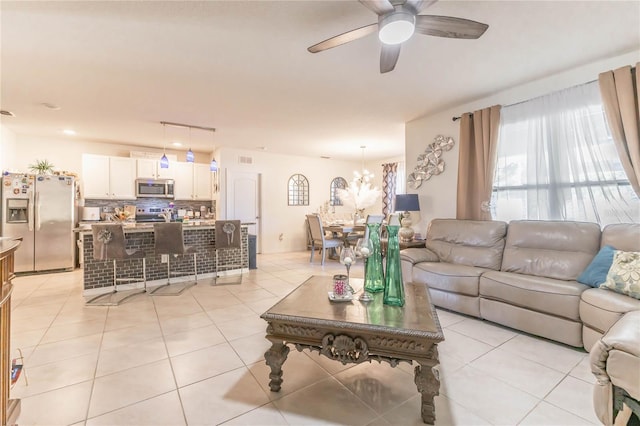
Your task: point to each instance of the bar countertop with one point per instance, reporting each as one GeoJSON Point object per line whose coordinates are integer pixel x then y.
{"type": "Point", "coordinates": [7, 245]}
{"type": "Point", "coordinates": [85, 227]}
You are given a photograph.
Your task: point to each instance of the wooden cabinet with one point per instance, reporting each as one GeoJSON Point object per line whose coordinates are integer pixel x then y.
{"type": "Point", "coordinates": [148, 168]}
{"type": "Point", "coordinates": [9, 408]}
{"type": "Point", "coordinates": [108, 177]}
{"type": "Point", "coordinates": [192, 181]}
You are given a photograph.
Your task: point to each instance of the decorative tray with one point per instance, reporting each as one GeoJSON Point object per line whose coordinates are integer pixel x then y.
{"type": "Point", "coordinates": [347, 297]}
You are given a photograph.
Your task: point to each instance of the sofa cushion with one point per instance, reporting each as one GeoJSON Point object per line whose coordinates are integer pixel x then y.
{"type": "Point", "coordinates": [553, 249]}
{"type": "Point", "coordinates": [596, 272]}
{"type": "Point", "coordinates": [601, 308]}
{"type": "Point", "coordinates": [448, 277]}
{"type": "Point", "coordinates": [546, 295]}
{"type": "Point", "coordinates": [622, 236]}
{"type": "Point", "coordinates": [467, 242]}
{"type": "Point", "coordinates": [624, 275]}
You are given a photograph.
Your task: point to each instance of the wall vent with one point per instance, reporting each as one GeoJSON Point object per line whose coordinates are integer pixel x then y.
{"type": "Point", "coordinates": [245, 160]}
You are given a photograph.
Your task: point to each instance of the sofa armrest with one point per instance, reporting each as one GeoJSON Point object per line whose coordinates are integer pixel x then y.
{"type": "Point", "coordinates": [417, 255]}
{"type": "Point", "coordinates": [623, 341]}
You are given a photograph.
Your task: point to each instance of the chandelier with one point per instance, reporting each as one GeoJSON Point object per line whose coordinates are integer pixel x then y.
{"type": "Point", "coordinates": [360, 194]}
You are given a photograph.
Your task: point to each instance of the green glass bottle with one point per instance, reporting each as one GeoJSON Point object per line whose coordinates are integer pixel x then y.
{"type": "Point", "coordinates": [373, 273]}
{"type": "Point", "coordinates": [393, 288]}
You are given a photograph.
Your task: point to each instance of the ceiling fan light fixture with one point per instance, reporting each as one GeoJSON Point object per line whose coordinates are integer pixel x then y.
{"type": "Point", "coordinates": [396, 27]}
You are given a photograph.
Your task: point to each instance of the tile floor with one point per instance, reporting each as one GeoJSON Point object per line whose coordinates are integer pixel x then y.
{"type": "Point", "coordinates": [197, 359]}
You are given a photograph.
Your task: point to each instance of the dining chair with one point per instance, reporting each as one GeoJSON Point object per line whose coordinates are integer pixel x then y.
{"type": "Point", "coordinates": [318, 238]}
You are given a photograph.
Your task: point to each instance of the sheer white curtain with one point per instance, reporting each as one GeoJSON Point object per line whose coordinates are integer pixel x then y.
{"type": "Point", "coordinates": [557, 160]}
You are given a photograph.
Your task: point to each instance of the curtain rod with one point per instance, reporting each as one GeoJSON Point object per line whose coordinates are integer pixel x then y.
{"type": "Point", "coordinates": [454, 118]}
{"type": "Point", "coordinates": [187, 126]}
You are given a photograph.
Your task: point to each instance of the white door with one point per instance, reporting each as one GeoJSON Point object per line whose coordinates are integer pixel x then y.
{"type": "Point", "coordinates": [243, 200]}
{"type": "Point", "coordinates": [201, 181]}
{"type": "Point", "coordinates": [95, 176]}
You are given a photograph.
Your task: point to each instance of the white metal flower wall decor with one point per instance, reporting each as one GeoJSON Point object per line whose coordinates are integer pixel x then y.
{"type": "Point", "coordinates": [430, 162]}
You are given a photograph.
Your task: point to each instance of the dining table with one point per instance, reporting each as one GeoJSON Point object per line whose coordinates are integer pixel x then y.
{"type": "Point", "coordinates": [342, 231]}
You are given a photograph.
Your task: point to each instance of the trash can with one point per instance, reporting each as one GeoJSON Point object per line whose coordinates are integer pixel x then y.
{"type": "Point", "coordinates": [252, 252]}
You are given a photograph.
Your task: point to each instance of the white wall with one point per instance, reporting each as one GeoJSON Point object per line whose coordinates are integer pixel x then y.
{"type": "Point", "coordinates": [66, 153]}
{"type": "Point", "coordinates": [438, 195]}
{"type": "Point", "coordinates": [7, 147]}
{"type": "Point", "coordinates": [277, 216]}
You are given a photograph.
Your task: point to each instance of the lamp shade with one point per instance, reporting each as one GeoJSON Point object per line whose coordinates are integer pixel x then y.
{"type": "Point", "coordinates": [407, 203]}
{"type": "Point", "coordinates": [213, 166]}
{"type": "Point", "coordinates": [190, 157]}
{"type": "Point", "coordinates": [164, 162]}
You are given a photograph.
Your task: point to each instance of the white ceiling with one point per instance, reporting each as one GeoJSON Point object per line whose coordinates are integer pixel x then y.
{"type": "Point", "coordinates": [117, 69]}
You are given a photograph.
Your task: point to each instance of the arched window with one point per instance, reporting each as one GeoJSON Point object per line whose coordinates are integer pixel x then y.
{"type": "Point", "coordinates": [336, 183]}
{"type": "Point", "coordinates": [298, 190]}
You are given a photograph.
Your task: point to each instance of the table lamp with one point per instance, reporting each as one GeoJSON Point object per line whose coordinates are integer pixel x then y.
{"type": "Point", "coordinates": [407, 203]}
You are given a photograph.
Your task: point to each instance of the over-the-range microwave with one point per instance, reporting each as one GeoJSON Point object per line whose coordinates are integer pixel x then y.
{"type": "Point", "coordinates": [154, 188]}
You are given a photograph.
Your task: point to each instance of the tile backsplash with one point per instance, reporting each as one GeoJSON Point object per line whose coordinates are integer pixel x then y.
{"type": "Point", "coordinates": [145, 203]}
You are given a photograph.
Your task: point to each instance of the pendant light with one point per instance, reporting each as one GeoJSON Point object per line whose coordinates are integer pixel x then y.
{"type": "Point", "coordinates": [164, 161]}
{"type": "Point", "coordinates": [190, 157]}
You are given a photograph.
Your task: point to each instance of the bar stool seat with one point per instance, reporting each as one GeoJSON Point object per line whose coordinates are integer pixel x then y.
{"type": "Point", "coordinates": [169, 240]}
{"type": "Point", "coordinates": [109, 244]}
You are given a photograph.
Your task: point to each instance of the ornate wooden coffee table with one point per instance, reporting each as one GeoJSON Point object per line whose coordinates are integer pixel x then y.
{"type": "Point", "coordinates": [355, 332]}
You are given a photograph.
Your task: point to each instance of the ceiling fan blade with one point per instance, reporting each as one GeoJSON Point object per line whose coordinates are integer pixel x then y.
{"type": "Point", "coordinates": [418, 5]}
{"type": "Point", "coordinates": [448, 26]}
{"type": "Point", "coordinates": [343, 38]}
{"type": "Point", "coordinates": [389, 56]}
{"type": "Point", "coordinates": [379, 7]}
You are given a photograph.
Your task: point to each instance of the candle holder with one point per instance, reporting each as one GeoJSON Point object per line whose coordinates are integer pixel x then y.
{"type": "Point", "coordinates": [348, 258]}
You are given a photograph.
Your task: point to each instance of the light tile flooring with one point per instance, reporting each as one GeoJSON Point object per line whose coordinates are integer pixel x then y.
{"type": "Point", "coordinates": [198, 359]}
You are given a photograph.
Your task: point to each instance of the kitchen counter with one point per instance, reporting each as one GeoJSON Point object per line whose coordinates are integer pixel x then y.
{"type": "Point", "coordinates": [98, 274]}
{"type": "Point", "coordinates": [146, 226]}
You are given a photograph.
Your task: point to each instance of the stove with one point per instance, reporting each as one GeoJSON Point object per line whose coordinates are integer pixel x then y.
{"type": "Point", "coordinates": [150, 214]}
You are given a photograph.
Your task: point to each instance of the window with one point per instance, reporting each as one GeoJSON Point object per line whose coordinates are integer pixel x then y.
{"type": "Point", "coordinates": [298, 190]}
{"type": "Point", "coordinates": [336, 183]}
{"type": "Point", "coordinates": [556, 160]}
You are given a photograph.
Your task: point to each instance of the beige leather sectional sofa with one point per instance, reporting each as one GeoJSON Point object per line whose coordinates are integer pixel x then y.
{"type": "Point", "coordinates": [523, 275]}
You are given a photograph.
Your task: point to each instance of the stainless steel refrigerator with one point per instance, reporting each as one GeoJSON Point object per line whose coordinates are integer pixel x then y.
{"type": "Point", "coordinates": [41, 210]}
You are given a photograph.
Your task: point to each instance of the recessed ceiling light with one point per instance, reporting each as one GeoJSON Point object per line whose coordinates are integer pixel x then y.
{"type": "Point", "coordinates": [51, 106]}
{"type": "Point", "coordinates": [177, 144]}
{"type": "Point", "coordinates": [8, 113]}
{"type": "Point", "coordinates": [69, 132]}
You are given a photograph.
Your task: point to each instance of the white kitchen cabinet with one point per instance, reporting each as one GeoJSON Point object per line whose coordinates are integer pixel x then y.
{"type": "Point", "coordinates": [192, 181]}
{"type": "Point", "coordinates": [201, 181]}
{"type": "Point", "coordinates": [108, 177]}
{"type": "Point", "coordinates": [183, 180]}
{"type": "Point", "coordinates": [150, 169]}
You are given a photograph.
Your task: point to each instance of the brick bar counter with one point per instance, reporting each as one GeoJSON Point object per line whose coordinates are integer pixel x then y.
{"type": "Point", "coordinates": [98, 274]}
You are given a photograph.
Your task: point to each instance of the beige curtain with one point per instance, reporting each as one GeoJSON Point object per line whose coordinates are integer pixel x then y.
{"type": "Point", "coordinates": [477, 162]}
{"type": "Point", "coordinates": [389, 174]}
{"type": "Point", "coordinates": [620, 91]}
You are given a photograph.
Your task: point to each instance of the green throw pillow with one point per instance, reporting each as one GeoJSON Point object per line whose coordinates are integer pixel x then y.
{"type": "Point", "coordinates": [624, 274]}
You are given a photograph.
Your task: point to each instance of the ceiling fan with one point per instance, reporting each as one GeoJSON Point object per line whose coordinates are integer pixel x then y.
{"type": "Point", "coordinates": [397, 21]}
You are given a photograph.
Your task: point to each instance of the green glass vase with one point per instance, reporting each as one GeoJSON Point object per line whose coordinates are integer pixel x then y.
{"type": "Point", "coordinates": [373, 273]}
{"type": "Point", "coordinates": [393, 288]}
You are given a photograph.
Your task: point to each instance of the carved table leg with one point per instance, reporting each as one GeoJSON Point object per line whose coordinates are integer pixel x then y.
{"type": "Point", "coordinates": [428, 382]}
{"type": "Point", "coordinates": [275, 357]}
